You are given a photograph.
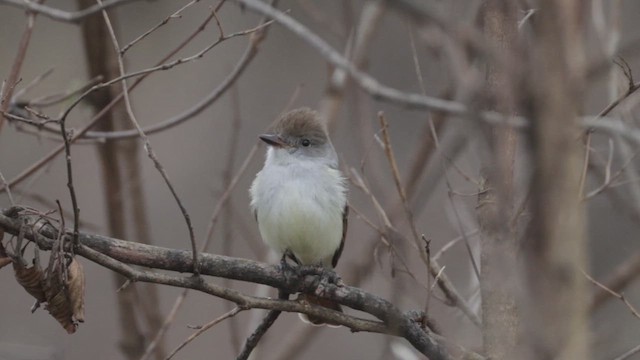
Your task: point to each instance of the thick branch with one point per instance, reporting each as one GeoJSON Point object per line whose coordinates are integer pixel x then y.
{"type": "Point", "coordinates": [119, 254]}
{"type": "Point", "coordinates": [500, 243]}
{"type": "Point", "coordinates": [557, 324]}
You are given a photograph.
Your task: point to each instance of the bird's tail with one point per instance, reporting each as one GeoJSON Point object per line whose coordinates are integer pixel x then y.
{"type": "Point", "coordinates": [312, 299]}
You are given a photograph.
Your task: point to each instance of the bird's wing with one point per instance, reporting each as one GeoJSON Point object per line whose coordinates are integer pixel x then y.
{"type": "Point", "coordinates": [336, 255]}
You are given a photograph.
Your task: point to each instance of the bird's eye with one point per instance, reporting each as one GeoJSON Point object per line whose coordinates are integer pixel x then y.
{"type": "Point", "coordinates": [305, 142]}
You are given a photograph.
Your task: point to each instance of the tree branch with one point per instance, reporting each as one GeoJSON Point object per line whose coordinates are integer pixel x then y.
{"type": "Point", "coordinates": [61, 15]}
{"type": "Point", "coordinates": [119, 255]}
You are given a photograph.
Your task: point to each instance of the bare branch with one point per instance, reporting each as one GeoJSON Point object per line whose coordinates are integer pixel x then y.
{"type": "Point", "coordinates": [233, 312]}
{"type": "Point", "coordinates": [614, 294]}
{"type": "Point", "coordinates": [147, 145]}
{"type": "Point", "coordinates": [61, 15]}
{"type": "Point", "coordinates": [265, 324]}
{"type": "Point", "coordinates": [119, 255]}
{"type": "Point", "coordinates": [14, 75]}
{"type": "Point", "coordinates": [168, 320]}
{"type": "Point", "coordinates": [176, 14]}
{"type": "Point", "coordinates": [176, 120]}
{"type": "Point", "coordinates": [619, 279]}
{"type": "Point", "coordinates": [629, 353]}
{"type": "Point", "coordinates": [366, 82]}
{"type": "Point", "coordinates": [443, 281]}
{"type": "Point", "coordinates": [72, 192]}
{"type": "Point", "coordinates": [9, 195]}
{"type": "Point", "coordinates": [226, 83]}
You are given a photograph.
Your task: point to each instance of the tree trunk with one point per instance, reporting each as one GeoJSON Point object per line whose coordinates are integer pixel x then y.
{"type": "Point", "coordinates": [500, 244]}
{"type": "Point", "coordinates": [557, 322]}
{"type": "Point", "coordinates": [119, 162]}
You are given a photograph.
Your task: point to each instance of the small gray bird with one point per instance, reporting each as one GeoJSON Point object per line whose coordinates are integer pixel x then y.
{"type": "Point", "coordinates": [299, 197]}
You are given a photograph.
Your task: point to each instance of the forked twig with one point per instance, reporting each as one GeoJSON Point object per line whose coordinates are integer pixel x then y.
{"type": "Point", "coordinates": [204, 328]}
{"type": "Point", "coordinates": [265, 324]}
{"type": "Point", "coordinates": [14, 75]}
{"type": "Point", "coordinates": [9, 195]}
{"type": "Point", "coordinates": [217, 92]}
{"type": "Point", "coordinates": [168, 320]}
{"type": "Point", "coordinates": [72, 192]}
{"type": "Point", "coordinates": [147, 146]}
{"type": "Point", "coordinates": [614, 294]}
{"type": "Point", "coordinates": [155, 27]}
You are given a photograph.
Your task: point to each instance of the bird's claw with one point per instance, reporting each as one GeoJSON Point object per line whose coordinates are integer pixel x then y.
{"type": "Point", "coordinates": [325, 276]}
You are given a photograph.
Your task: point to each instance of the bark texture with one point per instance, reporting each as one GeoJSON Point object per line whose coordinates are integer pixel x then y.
{"type": "Point", "coordinates": [557, 322]}
{"type": "Point", "coordinates": [500, 244]}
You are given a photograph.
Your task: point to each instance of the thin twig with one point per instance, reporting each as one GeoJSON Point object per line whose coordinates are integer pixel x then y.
{"type": "Point", "coordinates": [451, 243]}
{"type": "Point", "coordinates": [629, 353]}
{"type": "Point", "coordinates": [61, 15]}
{"type": "Point", "coordinates": [14, 74]}
{"type": "Point", "coordinates": [444, 283]}
{"type": "Point", "coordinates": [230, 79]}
{"type": "Point", "coordinates": [196, 109]}
{"type": "Point", "coordinates": [467, 243]}
{"type": "Point", "coordinates": [357, 50]}
{"type": "Point", "coordinates": [632, 87]}
{"type": "Point", "coordinates": [388, 149]}
{"type": "Point", "coordinates": [610, 126]}
{"type": "Point", "coordinates": [614, 294]}
{"type": "Point", "coordinates": [37, 80]}
{"type": "Point", "coordinates": [229, 224]}
{"type": "Point", "coordinates": [168, 320]}
{"type": "Point", "coordinates": [368, 83]}
{"type": "Point", "coordinates": [608, 177]}
{"type": "Point", "coordinates": [619, 278]}
{"type": "Point", "coordinates": [9, 195]}
{"type": "Point", "coordinates": [258, 333]}
{"type": "Point", "coordinates": [248, 55]}
{"type": "Point", "coordinates": [585, 164]}
{"type": "Point", "coordinates": [72, 192]}
{"type": "Point", "coordinates": [147, 146]}
{"type": "Point", "coordinates": [155, 27]}
{"type": "Point", "coordinates": [37, 123]}
{"type": "Point", "coordinates": [204, 328]}
{"type": "Point", "coordinates": [49, 100]}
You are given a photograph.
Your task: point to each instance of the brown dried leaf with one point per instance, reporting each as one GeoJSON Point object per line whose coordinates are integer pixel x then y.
{"type": "Point", "coordinates": [60, 308]}
{"type": "Point", "coordinates": [75, 289]}
{"type": "Point", "coordinates": [31, 279]}
{"type": "Point", "coordinates": [65, 297]}
{"type": "Point", "coordinates": [4, 259]}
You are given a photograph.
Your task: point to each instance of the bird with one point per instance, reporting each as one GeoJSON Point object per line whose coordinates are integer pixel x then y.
{"type": "Point", "coordinates": [299, 198]}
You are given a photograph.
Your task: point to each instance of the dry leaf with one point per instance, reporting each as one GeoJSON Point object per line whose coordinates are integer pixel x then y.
{"type": "Point", "coordinates": [60, 308]}
{"type": "Point", "coordinates": [4, 259]}
{"type": "Point", "coordinates": [64, 289]}
{"type": "Point", "coordinates": [31, 279]}
{"type": "Point", "coordinates": [75, 289]}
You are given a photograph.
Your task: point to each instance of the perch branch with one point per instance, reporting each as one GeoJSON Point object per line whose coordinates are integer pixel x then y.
{"type": "Point", "coordinates": [120, 255]}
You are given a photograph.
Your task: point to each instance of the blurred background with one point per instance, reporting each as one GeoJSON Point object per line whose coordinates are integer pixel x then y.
{"type": "Point", "coordinates": [202, 154]}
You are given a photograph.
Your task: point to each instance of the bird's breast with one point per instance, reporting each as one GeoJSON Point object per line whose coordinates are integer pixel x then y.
{"type": "Point", "coordinates": [300, 210]}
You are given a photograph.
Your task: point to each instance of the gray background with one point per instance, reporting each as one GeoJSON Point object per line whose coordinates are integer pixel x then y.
{"type": "Point", "coordinates": [194, 155]}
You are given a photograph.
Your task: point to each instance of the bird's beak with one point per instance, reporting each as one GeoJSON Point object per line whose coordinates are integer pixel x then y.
{"type": "Point", "coordinates": [273, 140]}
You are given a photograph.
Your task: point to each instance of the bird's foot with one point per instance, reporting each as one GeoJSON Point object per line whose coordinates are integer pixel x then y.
{"type": "Point", "coordinates": [289, 272]}
{"type": "Point", "coordinates": [326, 276]}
